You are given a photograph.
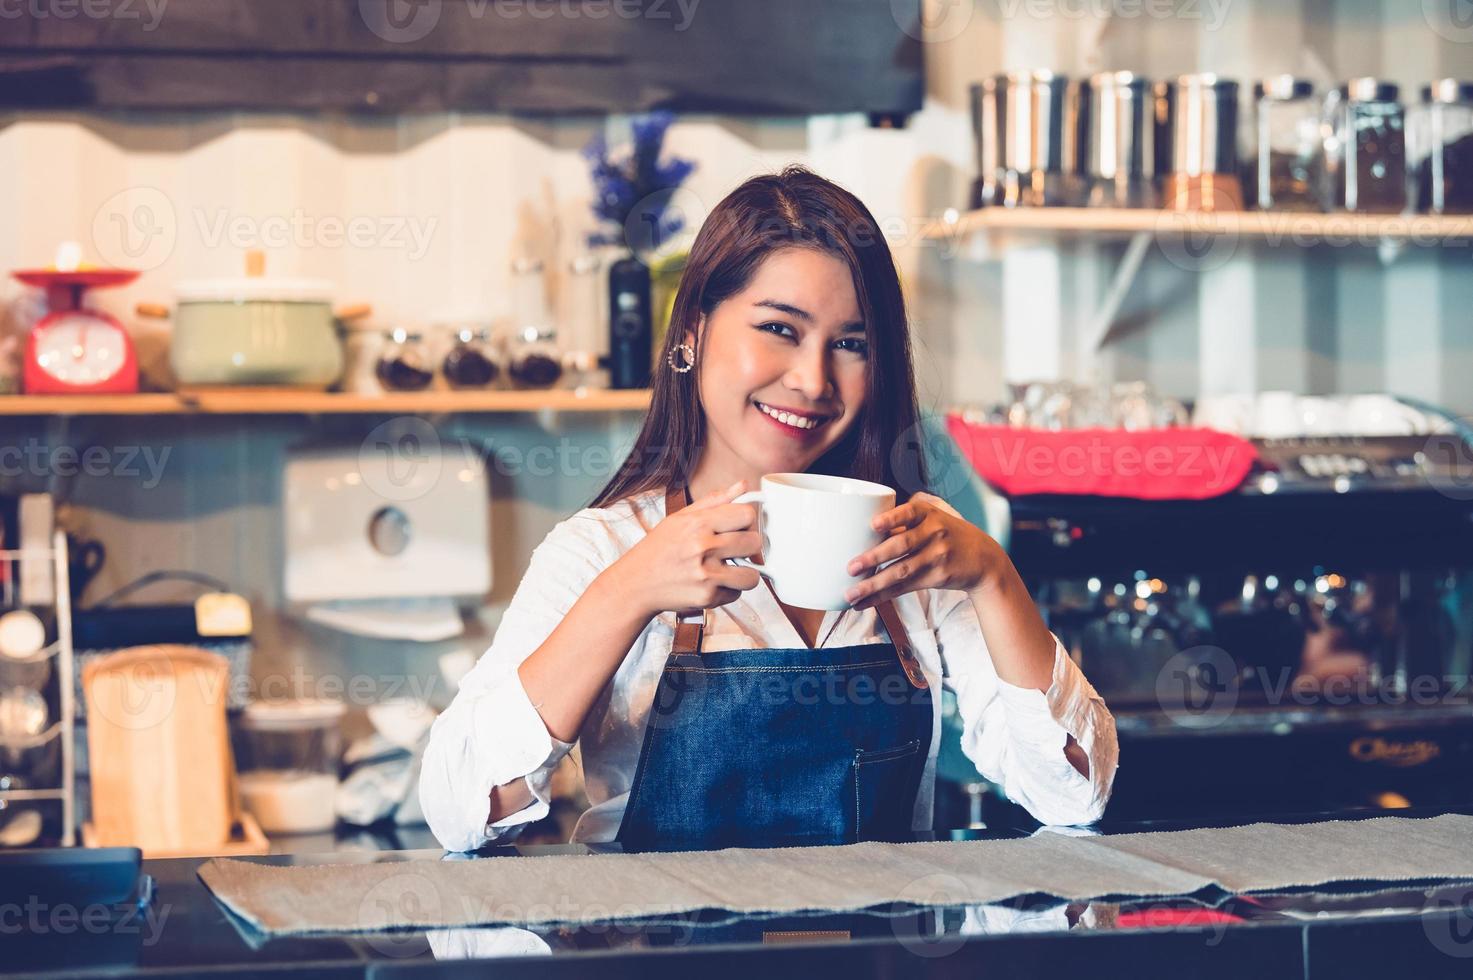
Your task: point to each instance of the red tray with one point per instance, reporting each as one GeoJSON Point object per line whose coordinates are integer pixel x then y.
{"type": "Point", "coordinates": [1156, 464]}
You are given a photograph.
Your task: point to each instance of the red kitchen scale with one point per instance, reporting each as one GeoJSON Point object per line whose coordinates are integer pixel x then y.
{"type": "Point", "coordinates": [74, 350]}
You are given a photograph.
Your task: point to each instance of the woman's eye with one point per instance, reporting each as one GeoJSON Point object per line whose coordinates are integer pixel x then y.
{"type": "Point", "coordinates": [853, 345]}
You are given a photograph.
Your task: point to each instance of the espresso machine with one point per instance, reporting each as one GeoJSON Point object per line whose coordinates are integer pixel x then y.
{"type": "Point", "coordinates": [1301, 644]}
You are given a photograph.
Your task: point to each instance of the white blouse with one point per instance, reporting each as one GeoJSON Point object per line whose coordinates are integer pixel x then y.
{"type": "Point", "coordinates": [491, 734]}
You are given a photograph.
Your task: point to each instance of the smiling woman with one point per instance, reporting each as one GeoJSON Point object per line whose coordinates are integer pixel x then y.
{"type": "Point", "coordinates": [792, 307]}
{"type": "Point", "coordinates": [635, 634]}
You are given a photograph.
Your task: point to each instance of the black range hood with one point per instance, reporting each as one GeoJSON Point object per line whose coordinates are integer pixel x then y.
{"type": "Point", "coordinates": [536, 57]}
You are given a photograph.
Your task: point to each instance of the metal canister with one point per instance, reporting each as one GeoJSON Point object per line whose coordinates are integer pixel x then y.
{"type": "Point", "coordinates": [1120, 148]}
{"type": "Point", "coordinates": [1163, 96]}
{"type": "Point", "coordinates": [1028, 126]}
{"type": "Point", "coordinates": [984, 137]}
{"type": "Point", "coordinates": [1204, 146]}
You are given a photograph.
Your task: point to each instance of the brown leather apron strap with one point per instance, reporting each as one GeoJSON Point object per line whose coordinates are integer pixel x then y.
{"type": "Point", "coordinates": [901, 639]}
{"type": "Point", "coordinates": [690, 627]}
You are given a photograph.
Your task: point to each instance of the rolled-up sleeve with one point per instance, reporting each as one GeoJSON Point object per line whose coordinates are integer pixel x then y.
{"type": "Point", "coordinates": [1016, 736]}
{"type": "Point", "coordinates": [492, 734]}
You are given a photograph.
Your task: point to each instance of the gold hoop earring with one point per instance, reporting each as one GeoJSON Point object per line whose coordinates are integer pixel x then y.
{"type": "Point", "coordinates": [689, 356]}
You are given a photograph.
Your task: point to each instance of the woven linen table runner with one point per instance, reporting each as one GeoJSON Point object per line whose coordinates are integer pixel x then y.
{"type": "Point", "coordinates": [600, 887]}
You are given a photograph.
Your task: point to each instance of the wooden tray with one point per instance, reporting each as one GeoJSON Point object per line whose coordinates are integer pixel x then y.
{"type": "Point", "coordinates": [246, 839]}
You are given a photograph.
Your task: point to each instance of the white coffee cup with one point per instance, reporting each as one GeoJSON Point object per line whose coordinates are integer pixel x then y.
{"type": "Point", "coordinates": [1225, 413]}
{"type": "Point", "coordinates": [1276, 415]}
{"type": "Point", "coordinates": [1383, 415]}
{"type": "Point", "coordinates": [812, 527]}
{"type": "Point", "coordinates": [1320, 416]}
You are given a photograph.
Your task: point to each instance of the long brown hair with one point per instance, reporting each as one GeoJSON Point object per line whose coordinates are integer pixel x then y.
{"type": "Point", "coordinates": [795, 208]}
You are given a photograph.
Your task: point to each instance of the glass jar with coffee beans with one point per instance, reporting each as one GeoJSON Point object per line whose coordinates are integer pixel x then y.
{"type": "Point", "coordinates": [535, 360]}
{"type": "Point", "coordinates": [1365, 148]}
{"type": "Point", "coordinates": [405, 364]}
{"type": "Point", "coordinates": [1287, 127]}
{"type": "Point", "coordinates": [473, 361]}
{"type": "Point", "coordinates": [1440, 144]}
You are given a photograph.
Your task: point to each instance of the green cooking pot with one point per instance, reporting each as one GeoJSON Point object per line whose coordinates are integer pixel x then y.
{"type": "Point", "coordinates": [256, 331]}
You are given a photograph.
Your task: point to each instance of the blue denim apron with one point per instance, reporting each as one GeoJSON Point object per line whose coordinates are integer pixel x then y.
{"type": "Point", "coordinates": [780, 747]}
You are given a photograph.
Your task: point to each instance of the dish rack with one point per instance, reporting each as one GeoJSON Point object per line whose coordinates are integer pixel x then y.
{"type": "Point", "coordinates": [64, 728]}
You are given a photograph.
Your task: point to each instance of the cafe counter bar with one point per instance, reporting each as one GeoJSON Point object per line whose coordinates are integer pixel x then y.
{"type": "Point", "coordinates": [1415, 928]}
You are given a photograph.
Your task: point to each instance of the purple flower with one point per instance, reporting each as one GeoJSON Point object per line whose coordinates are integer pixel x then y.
{"type": "Point", "coordinates": [633, 191]}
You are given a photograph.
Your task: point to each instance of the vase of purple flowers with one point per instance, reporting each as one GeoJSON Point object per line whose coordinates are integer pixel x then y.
{"type": "Point", "coordinates": [634, 201]}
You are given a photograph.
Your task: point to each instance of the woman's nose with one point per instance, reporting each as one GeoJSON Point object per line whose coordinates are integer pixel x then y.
{"type": "Point", "coordinates": [810, 376]}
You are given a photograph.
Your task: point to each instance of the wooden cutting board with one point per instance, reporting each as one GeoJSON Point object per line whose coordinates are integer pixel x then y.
{"type": "Point", "coordinates": [159, 749]}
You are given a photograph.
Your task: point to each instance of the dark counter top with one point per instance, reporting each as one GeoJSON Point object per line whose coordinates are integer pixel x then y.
{"type": "Point", "coordinates": [1412, 929]}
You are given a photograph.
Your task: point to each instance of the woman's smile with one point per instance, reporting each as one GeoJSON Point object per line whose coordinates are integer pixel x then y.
{"type": "Point", "coordinates": [794, 423]}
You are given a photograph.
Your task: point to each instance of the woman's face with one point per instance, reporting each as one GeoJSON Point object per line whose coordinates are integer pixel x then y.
{"type": "Point", "coordinates": [793, 342]}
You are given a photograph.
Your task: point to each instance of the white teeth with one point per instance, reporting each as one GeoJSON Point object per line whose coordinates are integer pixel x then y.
{"type": "Point", "coordinates": [796, 421]}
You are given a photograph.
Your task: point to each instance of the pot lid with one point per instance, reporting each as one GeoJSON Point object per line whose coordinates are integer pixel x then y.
{"type": "Point", "coordinates": [254, 290]}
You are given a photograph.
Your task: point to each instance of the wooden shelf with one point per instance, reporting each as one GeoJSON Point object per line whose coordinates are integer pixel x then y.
{"type": "Point", "coordinates": [89, 405]}
{"type": "Point", "coordinates": [220, 401]}
{"type": "Point", "coordinates": [1269, 227]}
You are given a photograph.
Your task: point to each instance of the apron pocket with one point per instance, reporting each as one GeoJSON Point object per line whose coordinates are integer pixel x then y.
{"type": "Point", "coordinates": [884, 792]}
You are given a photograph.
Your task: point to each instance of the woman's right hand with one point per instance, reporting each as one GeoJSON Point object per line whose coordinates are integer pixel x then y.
{"type": "Point", "coordinates": [681, 563]}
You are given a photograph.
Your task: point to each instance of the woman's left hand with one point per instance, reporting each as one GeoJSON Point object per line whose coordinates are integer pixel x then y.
{"type": "Point", "coordinates": [931, 547]}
